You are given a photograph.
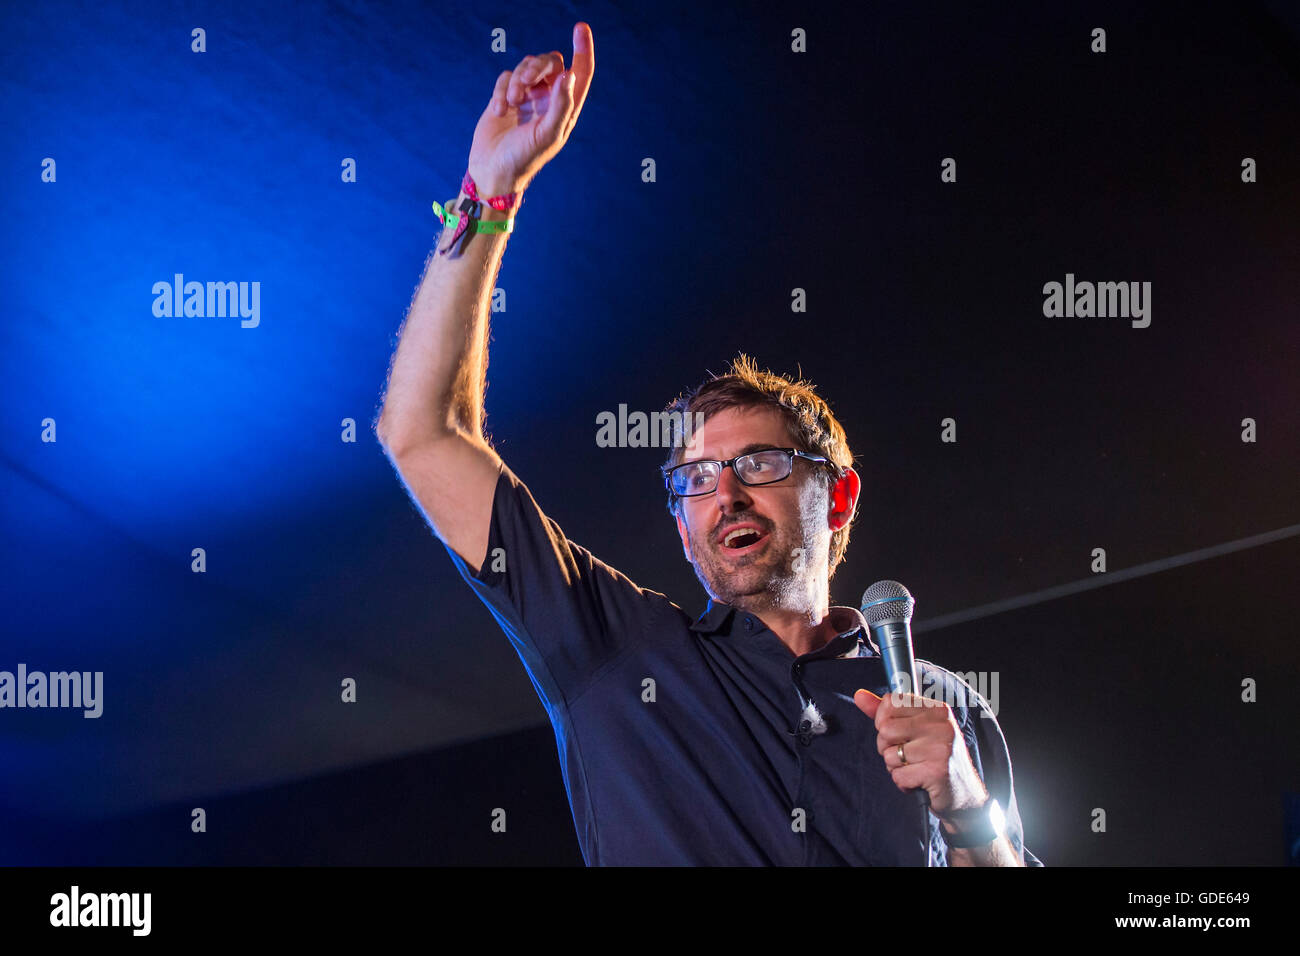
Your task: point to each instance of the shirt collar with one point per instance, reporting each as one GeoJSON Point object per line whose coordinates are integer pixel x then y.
{"type": "Point", "coordinates": [852, 638]}
{"type": "Point", "coordinates": [714, 617]}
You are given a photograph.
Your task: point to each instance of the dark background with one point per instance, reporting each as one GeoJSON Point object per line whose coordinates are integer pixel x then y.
{"type": "Point", "coordinates": [775, 171]}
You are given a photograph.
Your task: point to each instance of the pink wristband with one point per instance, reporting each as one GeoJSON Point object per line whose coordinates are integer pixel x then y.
{"type": "Point", "coordinates": [469, 208]}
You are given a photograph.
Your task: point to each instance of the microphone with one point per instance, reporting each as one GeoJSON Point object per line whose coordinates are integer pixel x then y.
{"type": "Point", "coordinates": [888, 606]}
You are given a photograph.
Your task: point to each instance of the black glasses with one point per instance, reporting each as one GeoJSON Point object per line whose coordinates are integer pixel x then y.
{"type": "Point", "coordinates": [757, 468]}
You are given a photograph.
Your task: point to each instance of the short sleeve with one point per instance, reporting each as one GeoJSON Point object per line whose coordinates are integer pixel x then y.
{"type": "Point", "coordinates": [995, 769]}
{"type": "Point", "coordinates": [989, 754]}
{"type": "Point", "coordinates": [567, 614]}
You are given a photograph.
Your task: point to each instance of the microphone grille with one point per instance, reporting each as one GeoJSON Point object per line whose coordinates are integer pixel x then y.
{"type": "Point", "coordinates": [887, 601]}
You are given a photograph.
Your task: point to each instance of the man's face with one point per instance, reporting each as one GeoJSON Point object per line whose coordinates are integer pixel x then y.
{"type": "Point", "coordinates": [791, 517]}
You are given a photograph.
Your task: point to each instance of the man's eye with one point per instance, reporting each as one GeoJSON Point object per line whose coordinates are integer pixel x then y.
{"type": "Point", "coordinates": [695, 477]}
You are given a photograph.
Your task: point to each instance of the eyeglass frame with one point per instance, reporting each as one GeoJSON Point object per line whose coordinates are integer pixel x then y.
{"type": "Point", "coordinates": [731, 462]}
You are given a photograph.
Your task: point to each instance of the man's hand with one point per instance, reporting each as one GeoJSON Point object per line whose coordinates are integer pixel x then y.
{"type": "Point", "coordinates": [933, 746]}
{"type": "Point", "coordinates": [530, 115]}
{"type": "Point", "coordinates": [937, 759]}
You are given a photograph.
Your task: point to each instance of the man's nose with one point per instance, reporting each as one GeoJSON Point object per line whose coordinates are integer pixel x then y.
{"type": "Point", "coordinates": [732, 493]}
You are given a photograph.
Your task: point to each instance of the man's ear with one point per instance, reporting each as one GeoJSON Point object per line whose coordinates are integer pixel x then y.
{"type": "Point", "coordinates": [844, 499]}
{"type": "Point", "coordinates": [681, 530]}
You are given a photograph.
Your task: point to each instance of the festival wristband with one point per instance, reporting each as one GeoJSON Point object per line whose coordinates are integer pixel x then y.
{"type": "Point", "coordinates": [471, 209]}
{"type": "Point", "coordinates": [450, 218]}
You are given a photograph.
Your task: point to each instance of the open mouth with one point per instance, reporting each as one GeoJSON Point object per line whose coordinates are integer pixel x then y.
{"type": "Point", "coordinates": [743, 540]}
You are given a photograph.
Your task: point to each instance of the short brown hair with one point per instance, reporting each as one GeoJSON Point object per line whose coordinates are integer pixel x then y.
{"type": "Point", "coordinates": [812, 426]}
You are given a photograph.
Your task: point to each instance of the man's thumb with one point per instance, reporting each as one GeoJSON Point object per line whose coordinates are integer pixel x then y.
{"type": "Point", "coordinates": [867, 702]}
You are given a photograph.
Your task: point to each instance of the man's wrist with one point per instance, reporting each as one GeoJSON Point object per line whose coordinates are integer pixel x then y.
{"type": "Point", "coordinates": [489, 185]}
{"type": "Point", "coordinates": [955, 822]}
{"type": "Point", "coordinates": [485, 212]}
{"type": "Point", "coordinates": [974, 826]}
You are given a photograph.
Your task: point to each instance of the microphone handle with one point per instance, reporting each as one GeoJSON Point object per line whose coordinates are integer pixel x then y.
{"type": "Point", "coordinates": [895, 641]}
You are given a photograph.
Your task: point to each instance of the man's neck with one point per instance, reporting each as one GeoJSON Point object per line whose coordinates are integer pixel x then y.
{"type": "Point", "coordinates": [796, 631]}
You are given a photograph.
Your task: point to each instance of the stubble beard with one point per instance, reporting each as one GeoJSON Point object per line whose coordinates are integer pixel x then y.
{"type": "Point", "coordinates": [758, 582]}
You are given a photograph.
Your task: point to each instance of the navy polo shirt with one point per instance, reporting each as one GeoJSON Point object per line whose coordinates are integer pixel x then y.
{"type": "Point", "coordinates": [697, 741]}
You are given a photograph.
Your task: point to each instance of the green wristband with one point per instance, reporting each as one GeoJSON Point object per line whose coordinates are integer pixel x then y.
{"type": "Point", "coordinates": [450, 218]}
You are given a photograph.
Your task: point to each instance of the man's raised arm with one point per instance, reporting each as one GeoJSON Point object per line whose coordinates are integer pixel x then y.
{"type": "Point", "coordinates": [431, 424]}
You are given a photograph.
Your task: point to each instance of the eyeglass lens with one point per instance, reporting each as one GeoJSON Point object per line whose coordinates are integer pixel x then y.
{"type": "Point", "coordinates": [759, 468]}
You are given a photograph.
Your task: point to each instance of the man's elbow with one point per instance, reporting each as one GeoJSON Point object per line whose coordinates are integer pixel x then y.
{"type": "Point", "coordinates": [388, 438]}
{"type": "Point", "coordinates": [399, 440]}
{"type": "Point", "coordinates": [396, 437]}
{"type": "Point", "coordinates": [383, 430]}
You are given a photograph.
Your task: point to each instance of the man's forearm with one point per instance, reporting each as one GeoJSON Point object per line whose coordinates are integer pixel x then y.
{"type": "Point", "coordinates": [439, 371]}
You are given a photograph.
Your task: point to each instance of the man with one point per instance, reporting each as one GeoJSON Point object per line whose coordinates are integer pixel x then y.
{"type": "Point", "coordinates": [756, 734]}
